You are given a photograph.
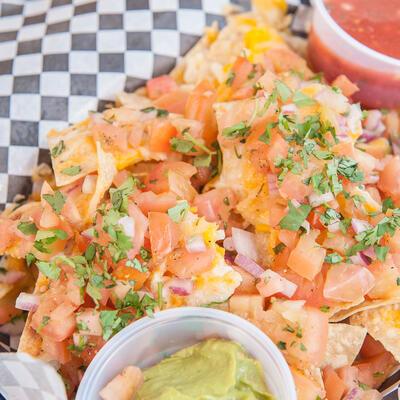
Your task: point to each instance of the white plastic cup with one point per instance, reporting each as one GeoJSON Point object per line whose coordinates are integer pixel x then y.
{"type": "Point", "coordinates": [149, 340]}
{"type": "Point", "coordinates": [333, 51]}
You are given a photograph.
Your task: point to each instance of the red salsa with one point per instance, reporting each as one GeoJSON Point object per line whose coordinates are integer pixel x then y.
{"type": "Point", "coordinates": [376, 24]}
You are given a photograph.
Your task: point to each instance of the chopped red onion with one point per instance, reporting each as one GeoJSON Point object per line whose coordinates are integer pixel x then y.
{"type": "Point", "coordinates": [11, 276]}
{"type": "Point", "coordinates": [128, 225]}
{"type": "Point", "coordinates": [371, 179]}
{"type": "Point", "coordinates": [289, 108]}
{"type": "Point", "coordinates": [228, 244]}
{"type": "Point", "coordinates": [354, 394]}
{"type": "Point", "coordinates": [249, 265]}
{"type": "Point", "coordinates": [89, 184]}
{"type": "Point", "coordinates": [359, 225]}
{"type": "Point", "coordinates": [181, 287]}
{"type": "Point", "coordinates": [229, 258]}
{"type": "Point", "coordinates": [245, 243]}
{"type": "Point", "coordinates": [368, 135]}
{"type": "Point", "coordinates": [360, 259]}
{"type": "Point", "coordinates": [27, 302]}
{"type": "Point", "coordinates": [370, 252]}
{"type": "Point", "coordinates": [195, 244]}
{"type": "Point", "coordinates": [316, 200]}
{"type": "Point", "coordinates": [373, 120]}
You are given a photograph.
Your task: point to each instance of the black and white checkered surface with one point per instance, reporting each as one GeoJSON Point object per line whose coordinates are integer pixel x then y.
{"type": "Point", "coordinates": [61, 58]}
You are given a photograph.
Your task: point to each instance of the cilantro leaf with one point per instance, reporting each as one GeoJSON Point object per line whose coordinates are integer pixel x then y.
{"type": "Point", "coordinates": [160, 112]}
{"type": "Point", "coordinates": [302, 100]}
{"type": "Point", "coordinates": [119, 196]}
{"type": "Point", "coordinates": [279, 248]}
{"type": "Point", "coordinates": [179, 212]}
{"type": "Point", "coordinates": [387, 203]}
{"type": "Point", "coordinates": [29, 258]}
{"type": "Point", "coordinates": [230, 79]}
{"type": "Point", "coordinates": [135, 263]}
{"type": "Point", "coordinates": [49, 269]}
{"type": "Point", "coordinates": [333, 258]}
{"type": "Point", "coordinates": [71, 171]}
{"type": "Point", "coordinates": [58, 149]}
{"type": "Point", "coordinates": [381, 252]}
{"type": "Point", "coordinates": [295, 217]}
{"type": "Point", "coordinates": [235, 131]}
{"type": "Point", "coordinates": [181, 145]}
{"type": "Point", "coordinates": [27, 228]}
{"type": "Point", "coordinates": [202, 161]}
{"type": "Point", "coordinates": [283, 90]}
{"type": "Point", "coordinates": [56, 201]}
{"type": "Point", "coordinates": [266, 136]}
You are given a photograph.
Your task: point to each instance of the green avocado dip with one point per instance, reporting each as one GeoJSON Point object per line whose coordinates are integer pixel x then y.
{"type": "Point", "coordinates": [212, 370]}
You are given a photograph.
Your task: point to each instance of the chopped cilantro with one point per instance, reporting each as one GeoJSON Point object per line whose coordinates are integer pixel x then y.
{"type": "Point", "coordinates": [159, 293]}
{"type": "Point", "coordinates": [181, 145]}
{"type": "Point", "coordinates": [386, 204]}
{"type": "Point", "coordinates": [71, 171]}
{"type": "Point", "coordinates": [295, 217]}
{"type": "Point", "coordinates": [119, 196]}
{"type": "Point", "coordinates": [27, 228]}
{"type": "Point", "coordinates": [135, 263]}
{"type": "Point", "coordinates": [283, 90]}
{"type": "Point", "coordinates": [288, 329]}
{"type": "Point", "coordinates": [281, 345]}
{"type": "Point", "coordinates": [58, 149]}
{"type": "Point", "coordinates": [266, 136]}
{"type": "Point", "coordinates": [279, 248]}
{"type": "Point", "coordinates": [381, 252]}
{"type": "Point", "coordinates": [363, 386]}
{"type": "Point", "coordinates": [230, 79]}
{"type": "Point", "coordinates": [317, 77]}
{"type": "Point", "coordinates": [226, 201]}
{"type": "Point", "coordinates": [160, 112]}
{"type": "Point", "coordinates": [302, 347]}
{"type": "Point", "coordinates": [302, 100]}
{"type": "Point", "coordinates": [333, 258]}
{"type": "Point", "coordinates": [336, 89]}
{"type": "Point", "coordinates": [385, 111]}
{"type": "Point", "coordinates": [324, 308]}
{"type": "Point", "coordinates": [145, 254]}
{"type": "Point", "coordinates": [202, 161]}
{"type": "Point", "coordinates": [49, 269]}
{"type": "Point", "coordinates": [29, 258]}
{"type": "Point", "coordinates": [45, 321]}
{"type": "Point", "coordinates": [240, 129]}
{"type": "Point", "coordinates": [378, 374]}
{"type": "Point", "coordinates": [56, 201]}
{"type": "Point", "coordinates": [179, 212]}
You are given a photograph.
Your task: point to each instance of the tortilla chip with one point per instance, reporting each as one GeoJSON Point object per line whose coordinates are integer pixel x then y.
{"type": "Point", "coordinates": [132, 100]}
{"type": "Point", "coordinates": [344, 313]}
{"type": "Point", "coordinates": [106, 172]}
{"type": "Point", "coordinates": [79, 149]}
{"type": "Point", "coordinates": [344, 343]}
{"type": "Point", "coordinates": [383, 324]}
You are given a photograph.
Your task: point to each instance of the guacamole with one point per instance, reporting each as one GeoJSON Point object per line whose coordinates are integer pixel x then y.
{"type": "Point", "coordinates": [212, 370]}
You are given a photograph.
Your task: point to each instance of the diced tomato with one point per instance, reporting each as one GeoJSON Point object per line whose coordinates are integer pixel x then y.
{"type": "Point", "coordinates": [371, 347]}
{"type": "Point", "coordinates": [334, 386]}
{"type": "Point", "coordinates": [378, 148]}
{"type": "Point", "coordinates": [276, 212]}
{"type": "Point", "coordinates": [73, 292]}
{"type": "Point", "coordinates": [89, 318]}
{"type": "Point", "coordinates": [89, 352]}
{"type": "Point", "coordinates": [389, 178]}
{"type": "Point", "coordinates": [284, 60]}
{"type": "Point", "coordinates": [111, 137]}
{"type": "Point", "coordinates": [141, 225]}
{"type": "Point", "coordinates": [160, 133]}
{"type": "Point", "coordinates": [307, 257]}
{"type": "Point", "coordinates": [247, 285]}
{"type": "Point", "coordinates": [216, 204]}
{"type": "Point", "coordinates": [293, 187]}
{"type": "Point", "coordinates": [57, 350]}
{"type": "Point", "coordinates": [173, 102]}
{"type": "Point", "coordinates": [61, 323]}
{"type": "Point", "coordinates": [149, 201]}
{"type": "Point", "coordinates": [157, 181]}
{"type": "Point", "coordinates": [267, 81]}
{"type": "Point", "coordinates": [164, 234]}
{"type": "Point", "coordinates": [159, 86]}
{"type": "Point", "coordinates": [306, 388]}
{"type": "Point", "coordinates": [181, 186]}
{"type": "Point", "coordinates": [271, 283]}
{"type": "Point", "coordinates": [347, 282]}
{"type": "Point", "coordinates": [125, 273]}
{"type": "Point", "coordinates": [186, 265]}
{"type": "Point", "coordinates": [386, 275]}
{"type": "Point", "coordinates": [199, 106]}
{"type": "Point", "coordinates": [338, 242]}
{"type": "Point", "coordinates": [120, 177]}
{"type": "Point", "coordinates": [242, 68]}
{"type": "Point", "coordinates": [347, 87]}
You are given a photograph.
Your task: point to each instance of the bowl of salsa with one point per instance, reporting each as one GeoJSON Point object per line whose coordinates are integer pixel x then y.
{"type": "Point", "coordinates": [153, 344]}
{"type": "Point", "coordinates": [360, 39]}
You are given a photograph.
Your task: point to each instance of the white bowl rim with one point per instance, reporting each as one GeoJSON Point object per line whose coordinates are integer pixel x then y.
{"type": "Point", "coordinates": [176, 313]}
{"type": "Point", "coordinates": [320, 5]}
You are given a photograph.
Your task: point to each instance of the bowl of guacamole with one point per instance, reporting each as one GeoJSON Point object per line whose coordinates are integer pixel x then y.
{"type": "Point", "coordinates": [193, 353]}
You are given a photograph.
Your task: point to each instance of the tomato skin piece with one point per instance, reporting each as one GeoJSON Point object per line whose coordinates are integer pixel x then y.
{"type": "Point", "coordinates": [307, 257]}
{"type": "Point", "coordinates": [347, 282]}
{"type": "Point", "coordinates": [149, 201]}
{"type": "Point", "coordinates": [160, 133]}
{"type": "Point", "coordinates": [306, 388]}
{"type": "Point", "coordinates": [57, 350]}
{"type": "Point", "coordinates": [161, 85]}
{"type": "Point", "coordinates": [164, 234]}
{"type": "Point", "coordinates": [173, 102]}
{"type": "Point", "coordinates": [199, 106]}
{"type": "Point", "coordinates": [186, 265]}
{"type": "Point", "coordinates": [389, 178]}
{"type": "Point", "coordinates": [334, 386]}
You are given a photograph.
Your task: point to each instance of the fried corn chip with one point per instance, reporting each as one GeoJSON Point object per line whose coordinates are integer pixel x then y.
{"type": "Point", "coordinates": [344, 343]}
{"type": "Point", "coordinates": [383, 324]}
